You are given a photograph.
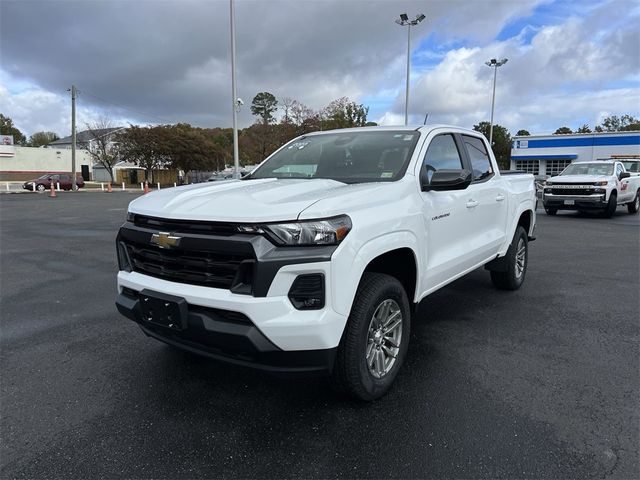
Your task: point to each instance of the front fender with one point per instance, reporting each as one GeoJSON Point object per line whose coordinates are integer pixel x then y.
{"type": "Point", "coordinates": [349, 264]}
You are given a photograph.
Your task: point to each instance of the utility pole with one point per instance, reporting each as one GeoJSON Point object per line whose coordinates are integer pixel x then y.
{"type": "Point", "coordinates": [73, 138]}
{"type": "Point", "coordinates": [234, 94]}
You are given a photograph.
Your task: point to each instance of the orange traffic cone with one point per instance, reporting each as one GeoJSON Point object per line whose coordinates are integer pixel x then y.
{"type": "Point", "coordinates": [109, 189]}
{"type": "Point", "coordinates": [146, 187]}
{"type": "Point", "coordinates": [52, 194]}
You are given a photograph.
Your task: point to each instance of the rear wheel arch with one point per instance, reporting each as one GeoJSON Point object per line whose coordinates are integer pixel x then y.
{"type": "Point", "coordinates": [525, 221]}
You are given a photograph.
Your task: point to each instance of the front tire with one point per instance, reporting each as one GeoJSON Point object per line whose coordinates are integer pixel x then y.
{"type": "Point", "coordinates": [375, 340]}
{"type": "Point", "coordinates": [517, 261]}
{"type": "Point", "coordinates": [41, 187]}
{"type": "Point", "coordinates": [634, 206]}
{"type": "Point", "coordinates": [610, 210]}
{"type": "Point", "coordinates": [550, 211]}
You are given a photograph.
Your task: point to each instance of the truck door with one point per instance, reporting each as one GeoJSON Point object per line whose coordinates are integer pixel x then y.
{"type": "Point", "coordinates": [445, 216]}
{"type": "Point", "coordinates": [486, 199]}
{"type": "Point", "coordinates": [625, 194]}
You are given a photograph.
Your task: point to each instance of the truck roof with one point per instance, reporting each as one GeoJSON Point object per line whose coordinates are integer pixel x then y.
{"type": "Point", "coordinates": [408, 128]}
{"type": "Point", "coordinates": [600, 160]}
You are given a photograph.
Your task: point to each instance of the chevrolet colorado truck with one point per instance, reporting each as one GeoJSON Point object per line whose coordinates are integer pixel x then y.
{"type": "Point", "coordinates": [312, 263]}
{"type": "Point", "coordinates": [597, 185]}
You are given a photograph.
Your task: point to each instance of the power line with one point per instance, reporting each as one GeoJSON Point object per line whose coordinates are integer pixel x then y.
{"type": "Point", "coordinates": [148, 115]}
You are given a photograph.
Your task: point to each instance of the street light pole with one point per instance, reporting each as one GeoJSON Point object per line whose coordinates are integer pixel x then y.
{"type": "Point", "coordinates": [406, 93]}
{"type": "Point", "coordinates": [404, 21]}
{"type": "Point", "coordinates": [73, 137]}
{"type": "Point", "coordinates": [495, 64]}
{"type": "Point", "coordinates": [234, 95]}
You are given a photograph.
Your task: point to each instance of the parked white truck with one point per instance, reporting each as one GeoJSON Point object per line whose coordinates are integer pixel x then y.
{"type": "Point", "coordinates": [592, 186]}
{"type": "Point", "coordinates": [313, 263]}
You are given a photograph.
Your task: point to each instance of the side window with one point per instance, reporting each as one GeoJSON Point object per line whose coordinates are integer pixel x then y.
{"type": "Point", "coordinates": [442, 154]}
{"type": "Point", "coordinates": [618, 170]}
{"type": "Point", "coordinates": [479, 157]}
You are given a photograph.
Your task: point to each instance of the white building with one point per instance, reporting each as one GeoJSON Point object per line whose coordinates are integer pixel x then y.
{"type": "Point", "coordinates": [25, 163]}
{"type": "Point", "coordinates": [550, 154]}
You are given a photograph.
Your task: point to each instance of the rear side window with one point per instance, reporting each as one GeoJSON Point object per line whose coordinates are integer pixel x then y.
{"type": "Point", "coordinates": [479, 157]}
{"type": "Point", "coordinates": [442, 154]}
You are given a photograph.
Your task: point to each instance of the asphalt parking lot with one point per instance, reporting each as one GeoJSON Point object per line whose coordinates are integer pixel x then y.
{"type": "Point", "coordinates": [539, 383]}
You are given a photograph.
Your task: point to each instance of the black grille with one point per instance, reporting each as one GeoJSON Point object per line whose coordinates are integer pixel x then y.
{"type": "Point", "coordinates": [192, 267]}
{"type": "Point", "coordinates": [195, 267]}
{"type": "Point", "coordinates": [185, 226]}
{"type": "Point", "coordinates": [573, 191]}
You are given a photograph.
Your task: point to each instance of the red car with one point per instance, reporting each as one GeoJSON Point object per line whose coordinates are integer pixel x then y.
{"type": "Point", "coordinates": [44, 182]}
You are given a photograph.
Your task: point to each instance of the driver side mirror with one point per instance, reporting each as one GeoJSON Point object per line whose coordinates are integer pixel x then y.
{"type": "Point", "coordinates": [443, 180]}
{"type": "Point", "coordinates": [624, 175]}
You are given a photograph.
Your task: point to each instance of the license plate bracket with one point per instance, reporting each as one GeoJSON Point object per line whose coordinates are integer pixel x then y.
{"type": "Point", "coordinates": [569, 202]}
{"type": "Point", "coordinates": [164, 310]}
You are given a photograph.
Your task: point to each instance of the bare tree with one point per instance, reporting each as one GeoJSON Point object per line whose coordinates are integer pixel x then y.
{"type": "Point", "coordinates": [101, 147]}
{"type": "Point", "coordinates": [286, 104]}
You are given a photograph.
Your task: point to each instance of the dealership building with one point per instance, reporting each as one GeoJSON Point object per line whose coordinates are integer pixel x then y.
{"type": "Point", "coordinates": [549, 154]}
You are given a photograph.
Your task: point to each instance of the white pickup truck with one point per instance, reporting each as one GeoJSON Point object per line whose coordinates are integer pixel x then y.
{"type": "Point", "coordinates": [313, 262]}
{"type": "Point", "coordinates": [597, 185]}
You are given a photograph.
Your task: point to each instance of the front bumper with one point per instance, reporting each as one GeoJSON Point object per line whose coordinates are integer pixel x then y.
{"type": "Point", "coordinates": [276, 336]}
{"type": "Point", "coordinates": [230, 337]}
{"type": "Point", "coordinates": [574, 202]}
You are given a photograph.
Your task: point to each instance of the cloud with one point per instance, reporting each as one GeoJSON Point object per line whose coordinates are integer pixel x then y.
{"type": "Point", "coordinates": [561, 75]}
{"type": "Point", "coordinates": [168, 61]}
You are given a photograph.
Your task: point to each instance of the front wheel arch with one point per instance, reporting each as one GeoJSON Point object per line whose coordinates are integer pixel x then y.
{"type": "Point", "coordinates": [399, 263]}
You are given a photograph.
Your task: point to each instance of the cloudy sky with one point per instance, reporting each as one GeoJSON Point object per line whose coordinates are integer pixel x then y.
{"type": "Point", "coordinates": [146, 62]}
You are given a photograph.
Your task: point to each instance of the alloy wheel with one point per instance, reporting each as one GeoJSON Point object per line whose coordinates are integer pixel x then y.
{"type": "Point", "coordinates": [521, 258]}
{"type": "Point", "coordinates": [383, 338]}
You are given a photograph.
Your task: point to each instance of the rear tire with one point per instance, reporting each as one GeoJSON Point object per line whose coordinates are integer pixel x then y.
{"type": "Point", "coordinates": [517, 261]}
{"type": "Point", "coordinates": [634, 206]}
{"type": "Point", "coordinates": [550, 211]}
{"type": "Point", "coordinates": [610, 210]}
{"type": "Point", "coordinates": [375, 340]}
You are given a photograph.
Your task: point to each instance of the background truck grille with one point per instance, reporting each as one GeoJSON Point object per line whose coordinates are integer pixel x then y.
{"type": "Point", "coordinates": [572, 190]}
{"type": "Point", "coordinates": [195, 267]}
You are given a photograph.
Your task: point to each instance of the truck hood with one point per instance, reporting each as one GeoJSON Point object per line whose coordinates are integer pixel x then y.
{"type": "Point", "coordinates": [251, 201]}
{"type": "Point", "coordinates": [578, 178]}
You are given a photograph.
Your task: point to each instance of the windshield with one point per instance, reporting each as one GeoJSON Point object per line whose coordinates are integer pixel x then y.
{"type": "Point", "coordinates": [349, 157]}
{"type": "Point", "coordinates": [588, 169]}
{"type": "Point", "coordinates": [632, 166]}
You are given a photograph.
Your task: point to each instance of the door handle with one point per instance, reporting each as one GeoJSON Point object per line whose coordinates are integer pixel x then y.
{"type": "Point", "coordinates": [500, 198]}
{"type": "Point", "coordinates": [472, 204]}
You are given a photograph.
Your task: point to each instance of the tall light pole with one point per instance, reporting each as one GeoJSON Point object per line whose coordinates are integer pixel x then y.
{"type": "Point", "coordinates": [234, 94]}
{"type": "Point", "coordinates": [405, 22]}
{"type": "Point", "coordinates": [495, 64]}
{"type": "Point", "coordinates": [74, 92]}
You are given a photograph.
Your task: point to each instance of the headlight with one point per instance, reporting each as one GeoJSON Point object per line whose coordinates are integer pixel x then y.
{"type": "Point", "coordinates": [130, 217]}
{"type": "Point", "coordinates": [601, 184]}
{"type": "Point", "coordinates": [330, 231]}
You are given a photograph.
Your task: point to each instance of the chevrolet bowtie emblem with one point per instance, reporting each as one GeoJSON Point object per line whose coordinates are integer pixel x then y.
{"type": "Point", "coordinates": [165, 240]}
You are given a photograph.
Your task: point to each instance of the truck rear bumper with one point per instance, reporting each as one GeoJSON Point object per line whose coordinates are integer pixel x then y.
{"type": "Point", "coordinates": [227, 336]}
